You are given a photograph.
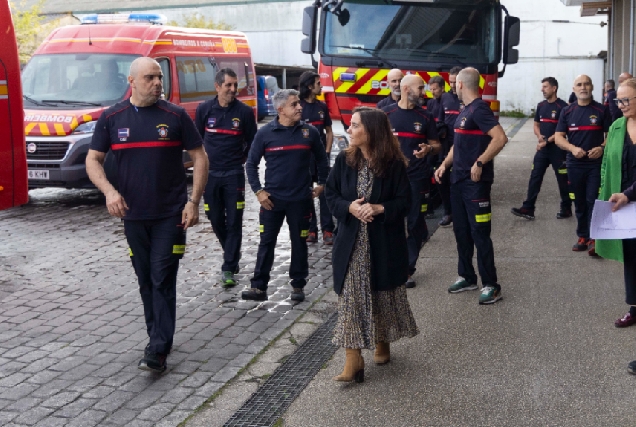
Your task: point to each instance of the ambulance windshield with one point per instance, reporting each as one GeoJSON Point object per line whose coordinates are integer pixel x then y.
{"type": "Point", "coordinates": [76, 79]}
{"type": "Point", "coordinates": [446, 32]}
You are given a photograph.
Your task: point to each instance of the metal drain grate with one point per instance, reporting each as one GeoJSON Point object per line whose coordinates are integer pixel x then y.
{"type": "Point", "coordinates": [271, 400]}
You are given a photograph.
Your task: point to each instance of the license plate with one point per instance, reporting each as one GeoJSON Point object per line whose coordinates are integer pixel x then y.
{"type": "Point", "coordinates": [38, 174]}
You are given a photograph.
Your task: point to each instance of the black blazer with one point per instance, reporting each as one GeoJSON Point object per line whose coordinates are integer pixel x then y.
{"type": "Point", "coordinates": [387, 235]}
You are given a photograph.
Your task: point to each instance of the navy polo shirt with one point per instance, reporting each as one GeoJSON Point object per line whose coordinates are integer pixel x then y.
{"type": "Point", "coordinates": [547, 116]}
{"type": "Point", "coordinates": [585, 127]}
{"type": "Point", "coordinates": [287, 151]}
{"type": "Point", "coordinates": [147, 143]}
{"type": "Point", "coordinates": [471, 140]}
{"type": "Point", "coordinates": [317, 114]}
{"type": "Point", "coordinates": [386, 102]}
{"type": "Point", "coordinates": [227, 133]}
{"type": "Point", "coordinates": [451, 106]}
{"type": "Point", "coordinates": [412, 128]}
{"type": "Point", "coordinates": [435, 109]}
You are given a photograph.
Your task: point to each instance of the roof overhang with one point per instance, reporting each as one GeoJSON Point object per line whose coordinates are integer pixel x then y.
{"type": "Point", "coordinates": [590, 8]}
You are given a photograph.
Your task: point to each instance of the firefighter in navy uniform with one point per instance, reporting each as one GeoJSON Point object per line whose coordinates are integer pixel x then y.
{"type": "Point", "coordinates": [228, 127]}
{"type": "Point", "coordinates": [287, 144]}
{"type": "Point", "coordinates": [478, 139]}
{"type": "Point", "coordinates": [548, 153]}
{"type": "Point", "coordinates": [316, 114]}
{"type": "Point", "coordinates": [451, 107]}
{"type": "Point", "coordinates": [608, 100]}
{"type": "Point", "coordinates": [393, 79]}
{"type": "Point", "coordinates": [585, 124]}
{"type": "Point", "coordinates": [417, 134]}
{"type": "Point", "coordinates": [147, 136]}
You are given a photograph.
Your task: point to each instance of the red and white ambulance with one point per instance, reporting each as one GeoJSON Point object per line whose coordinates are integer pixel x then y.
{"type": "Point", "coordinates": [80, 70]}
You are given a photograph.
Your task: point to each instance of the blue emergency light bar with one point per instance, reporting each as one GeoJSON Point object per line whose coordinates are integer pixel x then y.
{"type": "Point", "coordinates": [120, 18]}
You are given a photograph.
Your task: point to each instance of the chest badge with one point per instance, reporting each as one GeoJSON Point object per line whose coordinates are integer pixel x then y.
{"type": "Point", "coordinates": [554, 114]}
{"type": "Point", "coordinates": [236, 122]}
{"type": "Point", "coordinates": [211, 122]}
{"type": "Point", "coordinates": [122, 134]}
{"type": "Point", "coordinates": [306, 133]}
{"type": "Point", "coordinates": [593, 120]}
{"type": "Point", "coordinates": [462, 124]}
{"type": "Point", "coordinates": [321, 114]}
{"type": "Point", "coordinates": [163, 131]}
{"type": "Point", "coordinates": [418, 127]}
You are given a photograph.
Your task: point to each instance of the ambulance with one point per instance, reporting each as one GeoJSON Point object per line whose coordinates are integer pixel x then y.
{"type": "Point", "coordinates": [13, 172]}
{"type": "Point", "coordinates": [80, 70]}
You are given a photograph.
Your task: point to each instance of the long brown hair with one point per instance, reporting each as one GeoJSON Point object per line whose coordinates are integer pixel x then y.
{"type": "Point", "coordinates": [384, 147]}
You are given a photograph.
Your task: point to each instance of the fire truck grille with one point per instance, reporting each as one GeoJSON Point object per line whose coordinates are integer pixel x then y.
{"type": "Point", "coordinates": [47, 150]}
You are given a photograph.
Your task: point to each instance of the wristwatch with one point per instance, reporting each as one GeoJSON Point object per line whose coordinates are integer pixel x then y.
{"type": "Point", "coordinates": [192, 201]}
{"type": "Point", "coordinates": [479, 164]}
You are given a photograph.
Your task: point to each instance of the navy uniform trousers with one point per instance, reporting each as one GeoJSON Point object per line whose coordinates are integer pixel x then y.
{"type": "Point", "coordinates": [297, 214]}
{"type": "Point", "coordinates": [472, 225]}
{"type": "Point", "coordinates": [585, 182]}
{"type": "Point", "coordinates": [156, 246]}
{"type": "Point", "coordinates": [551, 154]}
{"type": "Point", "coordinates": [326, 219]}
{"type": "Point", "coordinates": [416, 220]}
{"type": "Point", "coordinates": [224, 199]}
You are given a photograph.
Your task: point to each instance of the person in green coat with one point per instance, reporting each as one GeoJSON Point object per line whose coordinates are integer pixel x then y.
{"type": "Point", "coordinates": [618, 185]}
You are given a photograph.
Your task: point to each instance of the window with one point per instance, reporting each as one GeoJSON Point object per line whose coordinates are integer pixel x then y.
{"type": "Point", "coordinates": [164, 63]}
{"type": "Point", "coordinates": [196, 76]}
{"type": "Point", "coordinates": [77, 77]}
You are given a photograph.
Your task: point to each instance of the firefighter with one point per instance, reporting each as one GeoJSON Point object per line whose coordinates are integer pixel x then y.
{"type": "Point", "coordinates": [287, 144]}
{"type": "Point", "coordinates": [417, 134]}
{"type": "Point", "coordinates": [478, 139]}
{"type": "Point", "coordinates": [548, 153]}
{"type": "Point", "coordinates": [316, 114]}
{"type": "Point", "coordinates": [147, 135]}
{"type": "Point", "coordinates": [451, 107]}
{"type": "Point", "coordinates": [585, 124]}
{"type": "Point", "coordinates": [228, 127]}
{"type": "Point", "coordinates": [393, 78]}
{"type": "Point", "coordinates": [608, 100]}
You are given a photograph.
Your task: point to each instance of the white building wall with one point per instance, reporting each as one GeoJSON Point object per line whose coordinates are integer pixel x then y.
{"type": "Point", "coordinates": [274, 29]}
{"type": "Point", "coordinates": [561, 50]}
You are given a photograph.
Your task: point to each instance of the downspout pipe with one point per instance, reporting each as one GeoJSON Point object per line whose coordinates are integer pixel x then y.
{"type": "Point", "coordinates": [631, 36]}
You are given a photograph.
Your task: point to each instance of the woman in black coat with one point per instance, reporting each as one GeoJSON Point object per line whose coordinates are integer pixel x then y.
{"type": "Point", "coordinates": [369, 193]}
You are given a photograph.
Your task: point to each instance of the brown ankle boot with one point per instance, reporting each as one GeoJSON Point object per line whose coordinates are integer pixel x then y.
{"type": "Point", "coordinates": [354, 366]}
{"type": "Point", "coordinates": [382, 353]}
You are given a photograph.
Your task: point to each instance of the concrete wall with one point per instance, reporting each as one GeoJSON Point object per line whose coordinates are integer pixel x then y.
{"type": "Point", "coordinates": [559, 49]}
{"type": "Point", "coordinates": [621, 29]}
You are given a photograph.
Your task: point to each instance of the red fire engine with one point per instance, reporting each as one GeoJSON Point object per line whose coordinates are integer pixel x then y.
{"type": "Point", "coordinates": [359, 41]}
{"type": "Point", "coordinates": [13, 172]}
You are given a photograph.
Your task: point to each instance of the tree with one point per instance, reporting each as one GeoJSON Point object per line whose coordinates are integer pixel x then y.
{"type": "Point", "coordinates": [196, 20]}
{"type": "Point", "coordinates": [29, 24]}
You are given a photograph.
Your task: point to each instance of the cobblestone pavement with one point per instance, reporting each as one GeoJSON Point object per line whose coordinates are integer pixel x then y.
{"type": "Point", "coordinates": [71, 320]}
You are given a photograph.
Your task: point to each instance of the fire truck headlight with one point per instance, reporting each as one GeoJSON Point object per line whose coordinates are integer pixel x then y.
{"type": "Point", "coordinates": [85, 128]}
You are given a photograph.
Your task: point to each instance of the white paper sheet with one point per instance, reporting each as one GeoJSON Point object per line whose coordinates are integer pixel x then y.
{"type": "Point", "coordinates": [613, 225]}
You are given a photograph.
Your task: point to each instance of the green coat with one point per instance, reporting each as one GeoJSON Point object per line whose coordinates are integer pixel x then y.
{"type": "Point", "coordinates": [611, 176]}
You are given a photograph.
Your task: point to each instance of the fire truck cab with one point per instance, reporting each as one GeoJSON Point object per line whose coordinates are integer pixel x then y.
{"type": "Point", "coordinates": [80, 70]}
{"type": "Point", "coordinates": [359, 41]}
{"type": "Point", "coordinates": [13, 172]}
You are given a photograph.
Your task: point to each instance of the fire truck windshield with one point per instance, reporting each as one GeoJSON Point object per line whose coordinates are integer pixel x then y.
{"type": "Point", "coordinates": [75, 80]}
{"type": "Point", "coordinates": [449, 33]}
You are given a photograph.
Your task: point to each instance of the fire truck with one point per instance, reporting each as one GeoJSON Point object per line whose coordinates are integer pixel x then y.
{"type": "Point", "coordinates": [13, 169]}
{"type": "Point", "coordinates": [80, 70]}
{"type": "Point", "coordinates": [359, 41]}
